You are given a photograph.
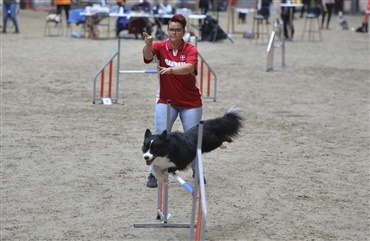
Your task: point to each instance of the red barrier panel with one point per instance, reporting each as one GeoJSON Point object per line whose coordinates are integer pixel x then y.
{"type": "Point", "coordinates": [102, 84]}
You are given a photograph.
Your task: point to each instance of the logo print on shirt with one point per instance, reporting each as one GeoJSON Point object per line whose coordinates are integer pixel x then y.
{"type": "Point", "coordinates": [182, 57]}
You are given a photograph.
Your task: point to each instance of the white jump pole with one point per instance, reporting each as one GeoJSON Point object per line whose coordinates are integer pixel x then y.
{"type": "Point", "coordinates": [183, 183]}
{"type": "Point", "coordinates": [199, 190]}
{"type": "Point", "coordinates": [271, 49]}
{"type": "Point", "coordinates": [138, 71]}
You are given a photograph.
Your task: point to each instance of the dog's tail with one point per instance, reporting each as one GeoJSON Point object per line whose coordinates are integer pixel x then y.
{"type": "Point", "coordinates": [221, 129]}
{"type": "Point", "coordinates": [231, 123]}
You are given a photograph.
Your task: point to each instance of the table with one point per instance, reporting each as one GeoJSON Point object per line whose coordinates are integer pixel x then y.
{"type": "Point", "coordinates": [290, 7]}
{"type": "Point", "coordinates": [244, 11]}
{"type": "Point", "coordinates": [145, 15]}
{"type": "Point", "coordinates": [134, 14]}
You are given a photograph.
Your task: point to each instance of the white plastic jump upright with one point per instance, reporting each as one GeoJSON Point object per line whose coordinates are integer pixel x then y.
{"type": "Point", "coordinates": [206, 77]}
{"type": "Point", "coordinates": [197, 228]}
{"type": "Point", "coordinates": [271, 48]}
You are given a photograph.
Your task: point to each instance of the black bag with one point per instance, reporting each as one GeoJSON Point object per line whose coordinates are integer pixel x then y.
{"type": "Point", "coordinates": [211, 31]}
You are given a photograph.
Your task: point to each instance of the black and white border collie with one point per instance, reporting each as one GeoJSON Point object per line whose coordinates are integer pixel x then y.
{"type": "Point", "coordinates": [175, 151]}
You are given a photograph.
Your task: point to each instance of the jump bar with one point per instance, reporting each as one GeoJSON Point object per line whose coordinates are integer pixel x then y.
{"type": "Point", "coordinates": [183, 183]}
{"type": "Point", "coordinates": [149, 71]}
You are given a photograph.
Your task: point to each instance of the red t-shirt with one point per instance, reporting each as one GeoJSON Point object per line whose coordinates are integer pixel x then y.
{"type": "Point", "coordinates": [180, 89]}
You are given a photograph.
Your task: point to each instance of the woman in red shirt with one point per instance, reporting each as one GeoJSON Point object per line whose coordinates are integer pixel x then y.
{"type": "Point", "coordinates": [178, 61]}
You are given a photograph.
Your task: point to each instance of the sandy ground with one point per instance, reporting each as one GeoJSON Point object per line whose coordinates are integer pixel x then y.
{"type": "Point", "coordinates": [72, 170]}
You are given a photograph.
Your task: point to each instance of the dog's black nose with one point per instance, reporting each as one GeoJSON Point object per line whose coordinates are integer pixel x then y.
{"type": "Point", "coordinates": [146, 157]}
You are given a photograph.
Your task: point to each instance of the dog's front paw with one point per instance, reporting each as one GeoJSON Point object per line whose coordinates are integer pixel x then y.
{"type": "Point", "coordinates": [160, 175]}
{"type": "Point", "coordinates": [162, 178]}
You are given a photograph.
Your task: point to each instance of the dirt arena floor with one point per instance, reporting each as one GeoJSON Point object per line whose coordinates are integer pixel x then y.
{"type": "Point", "coordinates": [73, 170]}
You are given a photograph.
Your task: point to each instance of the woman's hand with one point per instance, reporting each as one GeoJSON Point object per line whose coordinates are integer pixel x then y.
{"type": "Point", "coordinates": [164, 70]}
{"type": "Point", "coordinates": [148, 39]}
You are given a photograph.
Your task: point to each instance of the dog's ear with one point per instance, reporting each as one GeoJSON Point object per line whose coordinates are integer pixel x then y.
{"type": "Point", "coordinates": [147, 133]}
{"type": "Point", "coordinates": [164, 135]}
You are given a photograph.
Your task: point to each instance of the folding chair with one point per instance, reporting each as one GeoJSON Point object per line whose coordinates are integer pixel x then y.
{"type": "Point", "coordinates": [262, 14]}
{"type": "Point", "coordinates": [53, 24]}
{"type": "Point", "coordinates": [313, 13]}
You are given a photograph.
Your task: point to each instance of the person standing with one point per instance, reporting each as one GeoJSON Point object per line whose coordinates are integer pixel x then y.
{"type": "Point", "coordinates": [306, 7]}
{"type": "Point", "coordinates": [267, 4]}
{"type": "Point", "coordinates": [287, 15]}
{"type": "Point", "coordinates": [365, 22]}
{"type": "Point", "coordinates": [143, 5]}
{"type": "Point", "coordinates": [327, 6]}
{"type": "Point", "coordinates": [204, 6]}
{"type": "Point", "coordinates": [121, 3]}
{"type": "Point", "coordinates": [178, 62]}
{"type": "Point", "coordinates": [63, 4]}
{"type": "Point", "coordinates": [10, 10]}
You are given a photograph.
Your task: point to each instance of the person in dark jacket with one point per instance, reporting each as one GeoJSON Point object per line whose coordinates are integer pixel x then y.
{"type": "Point", "coordinates": [204, 6]}
{"type": "Point", "coordinates": [288, 26]}
{"type": "Point", "coordinates": [266, 4]}
{"type": "Point", "coordinates": [143, 5]}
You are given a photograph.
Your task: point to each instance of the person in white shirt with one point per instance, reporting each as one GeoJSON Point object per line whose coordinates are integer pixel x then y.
{"type": "Point", "coordinates": [162, 8]}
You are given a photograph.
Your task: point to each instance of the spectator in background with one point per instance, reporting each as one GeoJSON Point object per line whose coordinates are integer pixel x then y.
{"type": "Point", "coordinates": [10, 10]}
{"type": "Point", "coordinates": [338, 6]}
{"type": "Point", "coordinates": [365, 23]}
{"type": "Point", "coordinates": [306, 6]}
{"type": "Point", "coordinates": [288, 26]}
{"type": "Point", "coordinates": [63, 4]}
{"type": "Point", "coordinates": [143, 5]}
{"type": "Point", "coordinates": [121, 3]}
{"type": "Point", "coordinates": [204, 6]}
{"type": "Point", "coordinates": [161, 9]}
{"type": "Point", "coordinates": [327, 6]}
{"type": "Point", "coordinates": [266, 4]}
{"type": "Point", "coordinates": [138, 25]}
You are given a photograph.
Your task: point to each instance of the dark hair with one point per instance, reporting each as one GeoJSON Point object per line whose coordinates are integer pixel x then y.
{"type": "Point", "coordinates": [180, 19]}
